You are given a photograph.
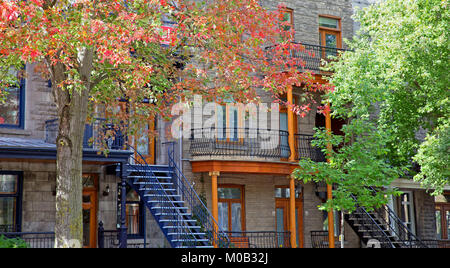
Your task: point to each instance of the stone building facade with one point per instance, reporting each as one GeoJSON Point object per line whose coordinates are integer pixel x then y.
{"type": "Point", "coordinates": [262, 202]}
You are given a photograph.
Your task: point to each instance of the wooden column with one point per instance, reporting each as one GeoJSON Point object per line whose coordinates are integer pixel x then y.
{"type": "Point", "coordinates": [290, 115]}
{"type": "Point", "coordinates": [292, 222]}
{"type": "Point", "coordinates": [329, 187]}
{"type": "Point", "coordinates": [215, 203]}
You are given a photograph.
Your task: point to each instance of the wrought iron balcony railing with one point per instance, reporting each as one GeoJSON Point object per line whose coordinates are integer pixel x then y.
{"type": "Point", "coordinates": [251, 144]}
{"type": "Point", "coordinates": [98, 134]}
{"type": "Point", "coordinates": [304, 149]}
{"type": "Point", "coordinates": [311, 56]}
{"type": "Point", "coordinates": [240, 142]}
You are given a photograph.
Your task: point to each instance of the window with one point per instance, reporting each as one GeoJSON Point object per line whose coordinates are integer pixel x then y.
{"type": "Point", "coordinates": [330, 35]}
{"type": "Point", "coordinates": [10, 201]}
{"type": "Point", "coordinates": [12, 110]}
{"type": "Point", "coordinates": [287, 21]}
{"type": "Point", "coordinates": [229, 122]}
{"type": "Point", "coordinates": [231, 208]}
{"type": "Point", "coordinates": [288, 16]}
{"type": "Point", "coordinates": [135, 213]}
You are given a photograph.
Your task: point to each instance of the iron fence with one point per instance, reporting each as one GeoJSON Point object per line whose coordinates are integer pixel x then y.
{"type": "Point", "coordinates": [33, 239]}
{"type": "Point", "coordinates": [260, 239]}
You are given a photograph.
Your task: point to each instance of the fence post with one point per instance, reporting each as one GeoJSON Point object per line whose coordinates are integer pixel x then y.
{"type": "Point", "coordinates": [101, 235]}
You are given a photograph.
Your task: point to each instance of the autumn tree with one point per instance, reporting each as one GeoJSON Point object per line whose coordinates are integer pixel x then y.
{"type": "Point", "coordinates": [103, 54]}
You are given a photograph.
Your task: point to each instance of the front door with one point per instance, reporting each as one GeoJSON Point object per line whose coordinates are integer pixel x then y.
{"type": "Point", "coordinates": [282, 211]}
{"type": "Point", "coordinates": [90, 182]}
{"type": "Point", "coordinates": [443, 221]}
{"type": "Point", "coordinates": [145, 144]}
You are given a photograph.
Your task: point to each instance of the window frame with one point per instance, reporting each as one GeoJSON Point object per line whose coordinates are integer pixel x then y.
{"type": "Point", "coordinates": [230, 201]}
{"type": "Point", "coordinates": [142, 217]}
{"type": "Point", "coordinates": [324, 30]}
{"type": "Point", "coordinates": [21, 111]}
{"type": "Point", "coordinates": [18, 195]}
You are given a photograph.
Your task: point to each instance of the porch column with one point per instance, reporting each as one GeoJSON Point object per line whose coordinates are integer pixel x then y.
{"type": "Point", "coordinates": [329, 187]}
{"type": "Point", "coordinates": [215, 203]}
{"type": "Point", "coordinates": [290, 115]}
{"type": "Point", "coordinates": [123, 196]}
{"type": "Point", "coordinates": [292, 222]}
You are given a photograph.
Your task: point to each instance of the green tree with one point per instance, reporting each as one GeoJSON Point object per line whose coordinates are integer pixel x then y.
{"type": "Point", "coordinates": [391, 87]}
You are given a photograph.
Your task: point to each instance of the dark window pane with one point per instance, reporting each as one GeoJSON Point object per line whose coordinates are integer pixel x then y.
{"type": "Point", "coordinates": [328, 22]}
{"type": "Point", "coordinates": [8, 183]}
{"type": "Point", "coordinates": [9, 110]}
{"type": "Point", "coordinates": [7, 212]}
{"type": "Point", "coordinates": [229, 193]}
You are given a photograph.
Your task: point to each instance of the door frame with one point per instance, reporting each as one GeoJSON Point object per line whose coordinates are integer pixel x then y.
{"type": "Point", "coordinates": [150, 158]}
{"type": "Point", "coordinates": [93, 192]}
{"type": "Point", "coordinates": [284, 203]}
{"type": "Point", "coordinates": [443, 207]}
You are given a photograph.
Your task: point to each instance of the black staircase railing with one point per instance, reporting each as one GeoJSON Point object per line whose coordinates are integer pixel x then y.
{"type": "Point", "coordinates": [165, 208]}
{"type": "Point", "coordinates": [382, 224]}
{"type": "Point", "coordinates": [403, 235]}
{"type": "Point", "coordinates": [199, 211]}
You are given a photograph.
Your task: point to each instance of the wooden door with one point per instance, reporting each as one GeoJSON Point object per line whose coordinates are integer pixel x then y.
{"type": "Point", "coordinates": [443, 221]}
{"type": "Point", "coordinates": [282, 215]}
{"type": "Point", "coordinates": [90, 204]}
{"type": "Point", "coordinates": [145, 144]}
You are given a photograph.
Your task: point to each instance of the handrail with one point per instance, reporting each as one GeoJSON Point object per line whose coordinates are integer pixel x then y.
{"type": "Point", "coordinates": [219, 238]}
{"type": "Point", "coordinates": [181, 225]}
{"type": "Point", "coordinates": [406, 231]}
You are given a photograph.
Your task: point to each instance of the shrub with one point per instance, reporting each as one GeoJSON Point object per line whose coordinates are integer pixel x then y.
{"type": "Point", "coordinates": [12, 242]}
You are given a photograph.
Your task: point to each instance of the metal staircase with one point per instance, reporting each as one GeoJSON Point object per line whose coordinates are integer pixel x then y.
{"type": "Point", "coordinates": [381, 227]}
{"type": "Point", "coordinates": [180, 213]}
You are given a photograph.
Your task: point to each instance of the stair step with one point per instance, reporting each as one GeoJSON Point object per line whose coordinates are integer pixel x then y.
{"type": "Point", "coordinates": [187, 234]}
{"type": "Point", "coordinates": [170, 208]}
{"type": "Point", "coordinates": [166, 201]}
{"type": "Point", "coordinates": [150, 177]}
{"type": "Point", "coordinates": [172, 214]}
{"type": "Point", "coordinates": [190, 240]}
{"type": "Point", "coordinates": [160, 195]}
{"type": "Point", "coordinates": [176, 220]}
{"type": "Point", "coordinates": [196, 247]}
{"type": "Point", "coordinates": [174, 227]}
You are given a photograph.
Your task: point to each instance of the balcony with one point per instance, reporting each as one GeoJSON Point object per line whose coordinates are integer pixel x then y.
{"type": "Point", "coordinates": [311, 55]}
{"type": "Point", "coordinates": [97, 135]}
{"type": "Point", "coordinates": [250, 144]}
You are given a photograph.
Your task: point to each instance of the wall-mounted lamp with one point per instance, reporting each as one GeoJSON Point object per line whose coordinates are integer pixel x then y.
{"type": "Point", "coordinates": [54, 190]}
{"type": "Point", "coordinates": [106, 191]}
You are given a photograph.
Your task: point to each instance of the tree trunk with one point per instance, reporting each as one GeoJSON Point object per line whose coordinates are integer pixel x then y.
{"type": "Point", "coordinates": [72, 113]}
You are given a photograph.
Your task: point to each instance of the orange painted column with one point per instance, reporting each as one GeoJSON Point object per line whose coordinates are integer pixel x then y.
{"type": "Point", "coordinates": [215, 204]}
{"type": "Point", "coordinates": [290, 115]}
{"type": "Point", "coordinates": [329, 187]}
{"type": "Point", "coordinates": [291, 128]}
{"type": "Point", "coordinates": [292, 222]}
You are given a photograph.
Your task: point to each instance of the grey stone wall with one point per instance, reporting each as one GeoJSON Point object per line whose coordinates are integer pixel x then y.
{"type": "Point", "coordinates": [306, 17]}
{"type": "Point", "coordinates": [39, 107]}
